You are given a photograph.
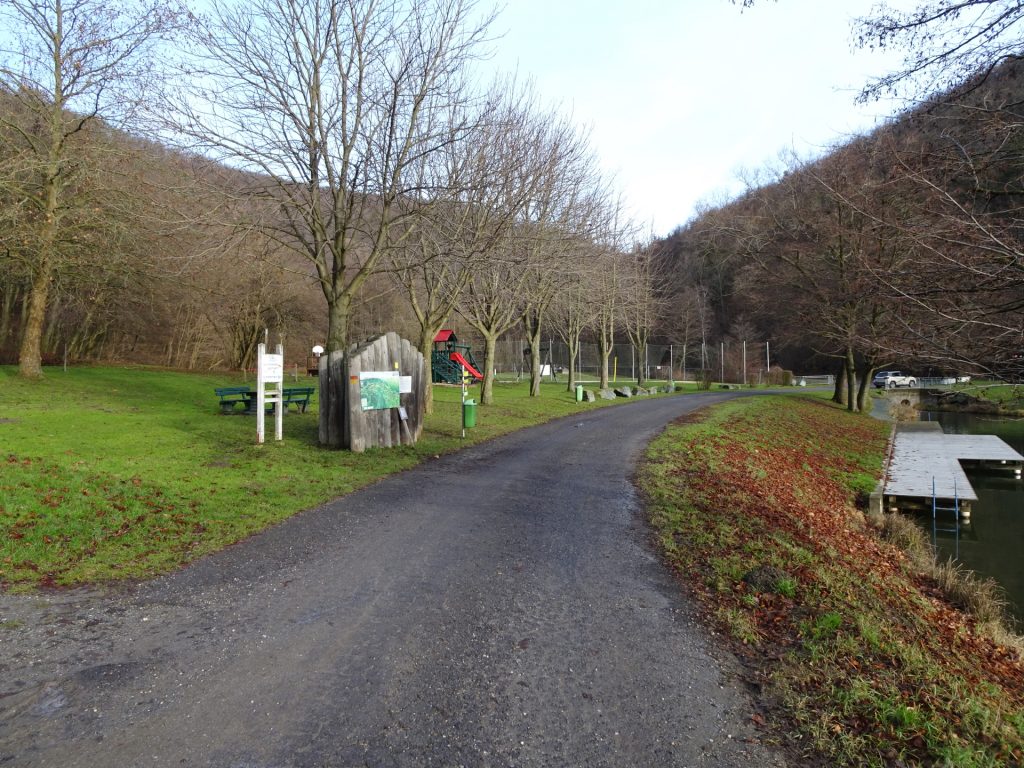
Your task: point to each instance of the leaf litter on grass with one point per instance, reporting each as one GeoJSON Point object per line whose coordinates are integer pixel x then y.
{"type": "Point", "coordinates": [861, 656]}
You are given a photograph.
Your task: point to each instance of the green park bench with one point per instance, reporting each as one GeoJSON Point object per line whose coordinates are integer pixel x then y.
{"type": "Point", "coordinates": [300, 396]}
{"type": "Point", "coordinates": [231, 396]}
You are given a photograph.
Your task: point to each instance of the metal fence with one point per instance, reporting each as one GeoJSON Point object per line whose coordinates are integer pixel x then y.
{"type": "Point", "coordinates": [936, 381]}
{"type": "Point", "coordinates": [815, 380]}
{"type": "Point", "coordinates": [733, 362]}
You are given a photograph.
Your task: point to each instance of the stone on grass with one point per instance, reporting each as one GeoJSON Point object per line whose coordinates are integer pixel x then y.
{"type": "Point", "coordinates": [623, 391]}
{"type": "Point", "coordinates": [606, 394]}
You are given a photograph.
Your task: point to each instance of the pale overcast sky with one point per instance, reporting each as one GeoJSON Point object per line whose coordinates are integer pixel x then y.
{"type": "Point", "coordinates": [683, 94]}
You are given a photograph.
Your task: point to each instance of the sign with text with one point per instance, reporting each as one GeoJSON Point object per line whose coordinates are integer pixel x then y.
{"type": "Point", "coordinates": [269, 370]}
{"type": "Point", "coordinates": [273, 368]}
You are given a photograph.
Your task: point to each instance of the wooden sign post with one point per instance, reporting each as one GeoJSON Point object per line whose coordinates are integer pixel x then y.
{"type": "Point", "coordinates": [269, 370]}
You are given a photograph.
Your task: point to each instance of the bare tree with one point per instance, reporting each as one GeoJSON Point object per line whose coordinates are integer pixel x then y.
{"type": "Point", "coordinates": [642, 306]}
{"type": "Point", "coordinates": [960, 170]}
{"type": "Point", "coordinates": [606, 288]}
{"type": "Point", "coordinates": [948, 44]}
{"type": "Point", "coordinates": [819, 246]}
{"type": "Point", "coordinates": [556, 184]}
{"type": "Point", "coordinates": [66, 65]}
{"type": "Point", "coordinates": [340, 109]}
{"type": "Point", "coordinates": [961, 220]}
{"type": "Point", "coordinates": [574, 309]}
{"type": "Point", "coordinates": [493, 304]}
{"type": "Point", "coordinates": [570, 202]}
{"type": "Point", "coordinates": [687, 320]}
{"type": "Point", "coordinates": [486, 194]}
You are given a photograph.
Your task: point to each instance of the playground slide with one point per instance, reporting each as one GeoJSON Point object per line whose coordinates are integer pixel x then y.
{"type": "Point", "coordinates": [458, 358]}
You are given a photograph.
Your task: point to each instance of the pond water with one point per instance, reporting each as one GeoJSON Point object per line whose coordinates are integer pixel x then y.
{"type": "Point", "coordinates": [993, 544]}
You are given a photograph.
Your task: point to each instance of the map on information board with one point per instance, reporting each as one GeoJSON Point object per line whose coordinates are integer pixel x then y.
{"type": "Point", "coordinates": [378, 390]}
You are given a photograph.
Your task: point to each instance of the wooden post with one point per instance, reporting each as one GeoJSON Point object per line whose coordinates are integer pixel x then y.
{"type": "Point", "coordinates": [261, 349]}
{"type": "Point", "coordinates": [275, 377]}
{"type": "Point", "coordinates": [279, 406]}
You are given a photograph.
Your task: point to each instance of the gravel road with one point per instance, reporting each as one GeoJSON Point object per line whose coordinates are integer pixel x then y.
{"type": "Point", "coordinates": [498, 607]}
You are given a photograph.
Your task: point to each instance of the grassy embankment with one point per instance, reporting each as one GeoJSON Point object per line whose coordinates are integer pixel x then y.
{"type": "Point", "coordinates": [860, 657]}
{"type": "Point", "coordinates": [110, 473]}
{"type": "Point", "coordinates": [993, 397]}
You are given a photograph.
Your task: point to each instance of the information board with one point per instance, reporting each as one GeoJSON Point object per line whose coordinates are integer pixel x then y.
{"type": "Point", "coordinates": [379, 390]}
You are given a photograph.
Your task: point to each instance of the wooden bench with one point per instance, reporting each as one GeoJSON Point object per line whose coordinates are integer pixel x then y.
{"type": "Point", "coordinates": [231, 396]}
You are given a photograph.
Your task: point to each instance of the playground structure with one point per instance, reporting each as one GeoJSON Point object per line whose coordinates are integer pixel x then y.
{"type": "Point", "coordinates": [449, 358]}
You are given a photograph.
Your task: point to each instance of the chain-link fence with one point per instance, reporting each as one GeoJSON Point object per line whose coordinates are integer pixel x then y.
{"type": "Point", "coordinates": [734, 362]}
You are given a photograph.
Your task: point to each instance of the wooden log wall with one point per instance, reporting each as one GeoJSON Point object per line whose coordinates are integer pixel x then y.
{"type": "Point", "coordinates": [343, 422]}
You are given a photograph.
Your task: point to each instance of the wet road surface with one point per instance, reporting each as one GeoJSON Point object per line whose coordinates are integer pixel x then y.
{"type": "Point", "coordinates": [499, 607]}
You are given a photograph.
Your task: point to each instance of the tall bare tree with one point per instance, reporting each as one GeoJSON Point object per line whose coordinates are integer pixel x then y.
{"type": "Point", "coordinates": [642, 305]}
{"type": "Point", "coordinates": [606, 290]}
{"type": "Point", "coordinates": [64, 66]}
{"type": "Point", "coordinates": [574, 308]}
{"type": "Point", "coordinates": [486, 193]}
{"type": "Point", "coordinates": [340, 109]}
{"type": "Point", "coordinates": [555, 184]}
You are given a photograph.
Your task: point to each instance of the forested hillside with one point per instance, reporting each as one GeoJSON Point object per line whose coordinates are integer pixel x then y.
{"type": "Point", "coordinates": [155, 262]}
{"type": "Point", "coordinates": [898, 249]}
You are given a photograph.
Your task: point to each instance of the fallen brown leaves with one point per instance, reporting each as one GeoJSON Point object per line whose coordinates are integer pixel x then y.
{"type": "Point", "coordinates": [767, 489]}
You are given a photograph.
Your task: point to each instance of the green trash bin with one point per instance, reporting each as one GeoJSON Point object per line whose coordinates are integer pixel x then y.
{"type": "Point", "coordinates": [469, 414]}
{"type": "Point", "coordinates": [579, 393]}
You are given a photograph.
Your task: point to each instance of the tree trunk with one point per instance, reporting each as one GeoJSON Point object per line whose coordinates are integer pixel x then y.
{"type": "Point", "coordinates": [338, 316]}
{"type": "Point", "coordinates": [333, 388]}
{"type": "Point", "coordinates": [851, 380]}
{"type": "Point", "coordinates": [839, 393]}
{"type": "Point", "coordinates": [426, 349]}
{"type": "Point", "coordinates": [641, 362]}
{"type": "Point", "coordinates": [30, 358]}
{"type": "Point", "coordinates": [532, 325]}
{"type": "Point", "coordinates": [604, 350]}
{"type": "Point", "coordinates": [535, 366]}
{"type": "Point", "coordinates": [490, 353]}
{"type": "Point", "coordinates": [573, 342]}
{"type": "Point", "coordinates": [864, 387]}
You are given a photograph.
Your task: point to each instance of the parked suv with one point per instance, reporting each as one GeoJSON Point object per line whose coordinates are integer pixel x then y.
{"type": "Point", "coordinates": [892, 379]}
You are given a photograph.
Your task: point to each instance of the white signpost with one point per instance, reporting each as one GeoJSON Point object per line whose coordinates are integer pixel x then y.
{"type": "Point", "coordinates": [269, 370]}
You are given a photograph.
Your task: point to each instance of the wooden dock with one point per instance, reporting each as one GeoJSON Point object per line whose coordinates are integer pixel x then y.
{"type": "Point", "coordinates": [922, 454]}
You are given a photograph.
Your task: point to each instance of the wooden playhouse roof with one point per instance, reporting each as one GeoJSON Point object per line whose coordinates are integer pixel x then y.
{"type": "Point", "coordinates": [445, 334]}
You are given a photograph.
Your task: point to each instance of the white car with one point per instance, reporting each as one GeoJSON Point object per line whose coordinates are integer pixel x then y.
{"type": "Point", "coordinates": [892, 379]}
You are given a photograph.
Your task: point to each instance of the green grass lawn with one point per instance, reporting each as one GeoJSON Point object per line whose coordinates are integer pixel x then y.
{"type": "Point", "coordinates": [1008, 396]}
{"type": "Point", "coordinates": [112, 473]}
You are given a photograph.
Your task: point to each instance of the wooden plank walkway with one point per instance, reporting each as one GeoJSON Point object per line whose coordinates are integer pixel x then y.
{"type": "Point", "coordinates": [921, 451]}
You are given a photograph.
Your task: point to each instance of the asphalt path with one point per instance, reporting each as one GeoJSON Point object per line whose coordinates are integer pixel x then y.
{"type": "Point", "coordinates": [502, 606]}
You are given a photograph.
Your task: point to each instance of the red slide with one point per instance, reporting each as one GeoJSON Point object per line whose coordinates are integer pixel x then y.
{"type": "Point", "coordinates": [458, 358]}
